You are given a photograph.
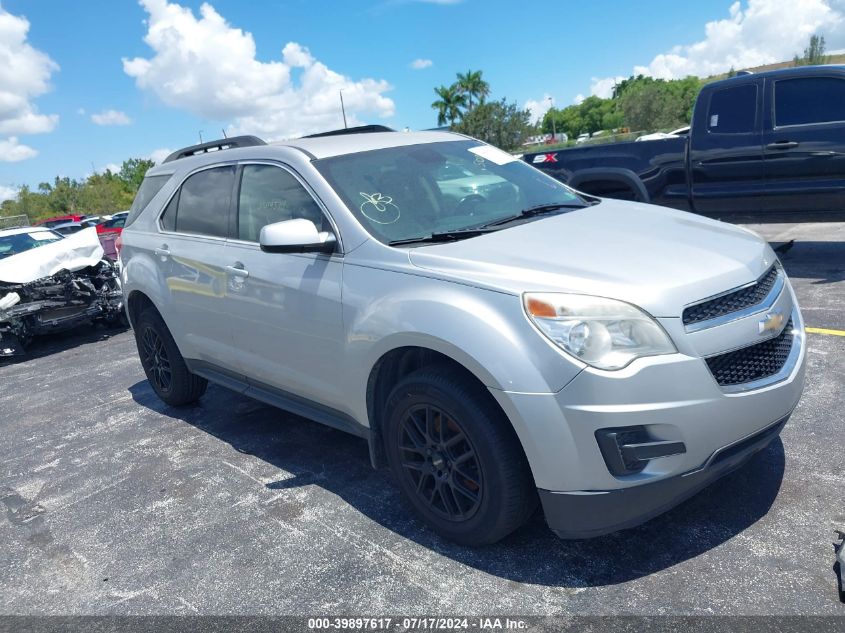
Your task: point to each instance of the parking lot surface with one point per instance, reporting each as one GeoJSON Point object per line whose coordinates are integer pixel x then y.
{"type": "Point", "coordinates": [111, 502]}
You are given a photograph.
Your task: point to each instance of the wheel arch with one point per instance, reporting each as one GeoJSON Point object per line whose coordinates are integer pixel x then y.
{"type": "Point", "coordinates": [618, 175]}
{"type": "Point", "coordinates": [396, 363]}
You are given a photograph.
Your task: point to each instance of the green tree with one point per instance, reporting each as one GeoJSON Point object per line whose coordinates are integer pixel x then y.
{"type": "Point", "coordinates": [132, 172]}
{"type": "Point", "coordinates": [98, 194]}
{"type": "Point", "coordinates": [814, 54]}
{"type": "Point", "coordinates": [651, 104]}
{"type": "Point", "coordinates": [499, 123]}
{"type": "Point", "coordinates": [449, 104]}
{"type": "Point", "coordinates": [471, 84]}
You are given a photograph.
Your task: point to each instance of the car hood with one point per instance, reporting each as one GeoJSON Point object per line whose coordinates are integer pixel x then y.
{"type": "Point", "coordinates": [656, 258]}
{"type": "Point", "coordinates": [75, 252]}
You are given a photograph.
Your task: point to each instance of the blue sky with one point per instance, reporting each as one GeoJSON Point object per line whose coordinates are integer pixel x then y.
{"type": "Point", "coordinates": [197, 71]}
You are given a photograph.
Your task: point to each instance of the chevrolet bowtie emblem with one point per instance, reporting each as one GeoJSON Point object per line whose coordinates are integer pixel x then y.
{"type": "Point", "coordinates": [773, 322]}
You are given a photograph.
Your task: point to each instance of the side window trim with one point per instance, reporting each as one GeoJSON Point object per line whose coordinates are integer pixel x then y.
{"type": "Point", "coordinates": [285, 167]}
{"type": "Point", "coordinates": [757, 110]}
{"type": "Point", "coordinates": [775, 83]}
{"type": "Point", "coordinates": [178, 190]}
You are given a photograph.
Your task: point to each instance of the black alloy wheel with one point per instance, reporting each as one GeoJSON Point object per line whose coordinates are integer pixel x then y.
{"type": "Point", "coordinates": [440, 462]}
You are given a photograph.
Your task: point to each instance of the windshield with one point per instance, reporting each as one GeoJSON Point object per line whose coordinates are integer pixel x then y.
{"type": "Point", "coordinates": [20, 242]}
{"type": "Point", "coordinates": [402, 193]}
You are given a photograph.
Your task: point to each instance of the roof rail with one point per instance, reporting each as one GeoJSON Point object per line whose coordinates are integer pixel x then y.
{"type": "Point", "coordinates": [220, 144]}
{"type": "Point", "coordinates": [361, 129]}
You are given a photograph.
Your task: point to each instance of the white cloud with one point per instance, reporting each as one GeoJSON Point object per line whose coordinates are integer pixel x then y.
{"type": "Point", "coordinates": [419, 64]}
{"type": "Point", "coordinates": [754, 34]}
{"type": "Point", "coordinates": [579, 98]}
{"type": "Point", "coordinates": [8, 193]}
{"type": "Point", "coordinates": [538, 109]}
{"type": "Point", "coordinates": [111, 117]}
{"type": "Point", "coordinates": [158, 155]}
{"type": "Point", "coordinates": [80, 111]}
{"type": "Point", "coordinates": [112, 167]}
{"type": "Point", "coordinates": [24, 74]}
{"type": "Point", "coordinates": [603, 87]}
{"type": "Point", "coordinates": [209, 68]}
{"type": "Point", "coordinates": [12, 151]}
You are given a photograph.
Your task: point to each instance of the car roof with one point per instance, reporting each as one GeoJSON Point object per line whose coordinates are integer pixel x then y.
{"type": "Point", "coordinates": [791, 71]}
{"type": "Point", "coordinates": [328, 146]}
{"type": "Point", "coordinates": [313, 147]}
{"type": "Point", "coordinates": [24, 229]}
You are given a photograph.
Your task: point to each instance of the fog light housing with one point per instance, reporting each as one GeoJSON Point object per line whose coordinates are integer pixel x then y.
{"type": "Point", "coordinates": [628, 450]}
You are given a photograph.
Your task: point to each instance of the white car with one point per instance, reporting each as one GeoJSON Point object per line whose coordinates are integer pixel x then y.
{"type": "Point", "coordinates": [659, 136]}
{"type": "Point", "coordinates": [49, 283]}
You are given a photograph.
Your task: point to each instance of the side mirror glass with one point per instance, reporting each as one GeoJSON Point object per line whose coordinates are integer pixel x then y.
{"type": "Point", "coordinates": [296, 236]}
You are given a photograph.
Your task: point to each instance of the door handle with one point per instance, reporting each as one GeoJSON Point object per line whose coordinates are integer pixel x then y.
{"type": "Point", "coordinates": [237, 270]}
{"type": "Point", "coordinates": [162, 252]}
{"type": "Point", "coordinates": [782, 145]}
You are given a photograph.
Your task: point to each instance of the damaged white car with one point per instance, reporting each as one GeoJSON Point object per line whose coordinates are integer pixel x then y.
{"type": "Point", "coordinates": [50, 283]}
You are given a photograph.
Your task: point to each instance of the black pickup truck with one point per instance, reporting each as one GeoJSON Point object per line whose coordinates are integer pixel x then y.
{"type": "Point", "coordinates": [773, 141]}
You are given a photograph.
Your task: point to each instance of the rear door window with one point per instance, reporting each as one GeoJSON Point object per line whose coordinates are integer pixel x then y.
{"type": "Point", "coordinates": [733, 110]}
{"type": "Point", "coordinates": [809, 100]}
{"type": "Point", "coordinates": [204, 200]}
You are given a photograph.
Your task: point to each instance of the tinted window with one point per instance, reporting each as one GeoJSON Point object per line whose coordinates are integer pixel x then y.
{"type": "Point", "coordinates": [271, 194]}
{"type": "Point", "coordinates": [150, 186]}
{"type": "Point", "coordinates": [20, 242]}
{"type": "Point", "coordinates": [168, 219]}
{"type": "Point", "coordinates": [203, 207]}
{"type": "Point", "coordinates": [733, 110]}
{"type": "Point", "coordinates": [809, 100]}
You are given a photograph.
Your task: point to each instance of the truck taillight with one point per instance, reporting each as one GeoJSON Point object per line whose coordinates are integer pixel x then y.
{"type": "Point", "coordinates": [118, 244]}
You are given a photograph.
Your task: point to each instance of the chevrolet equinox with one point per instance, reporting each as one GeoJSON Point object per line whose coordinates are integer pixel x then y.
{"type": "Point", "coordinates": [499, 339]}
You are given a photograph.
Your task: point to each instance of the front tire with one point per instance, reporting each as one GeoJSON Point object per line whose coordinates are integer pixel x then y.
{"type": "Point", "coordinates": [163, 363]}
{"type": "Point", "coordinates": [456, 457]}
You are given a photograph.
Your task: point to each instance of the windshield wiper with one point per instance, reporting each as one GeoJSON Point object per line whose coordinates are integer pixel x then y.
{"type": "Point", "coordinates": [538, 209]}
{"type": "Point", "coordinates": [444, 236]}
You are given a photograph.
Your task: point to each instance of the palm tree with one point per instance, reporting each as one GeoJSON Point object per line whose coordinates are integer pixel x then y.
{"type": "Point", "coordinates": [472, 85]}
{"type": "Point", "coordinates": [449, 105]}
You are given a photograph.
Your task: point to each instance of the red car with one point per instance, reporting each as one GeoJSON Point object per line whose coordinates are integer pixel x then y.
{"type": "Point", "coordinates": [115, 225]}
{"type": "Point", "coordinates": [108, 232]}
{"type": "Point", "coordinates": [60, 219]}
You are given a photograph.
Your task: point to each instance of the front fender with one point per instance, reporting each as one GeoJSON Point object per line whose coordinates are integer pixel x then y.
{"type": "Point", "coordinates": [485, 331]}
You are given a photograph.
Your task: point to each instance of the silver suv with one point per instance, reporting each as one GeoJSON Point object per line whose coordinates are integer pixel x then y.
{"type": "Point", "coordinates": [497, 338]}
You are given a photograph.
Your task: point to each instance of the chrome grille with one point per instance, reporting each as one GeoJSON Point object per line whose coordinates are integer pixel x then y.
{"type": "Point", "coordinates": [733, 301]}
{"type": "Point", "coordinates": [754, 362]}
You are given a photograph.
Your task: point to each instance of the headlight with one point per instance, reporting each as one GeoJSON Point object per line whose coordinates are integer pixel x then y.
{"type": "Point", "coordinates": [601, 332]}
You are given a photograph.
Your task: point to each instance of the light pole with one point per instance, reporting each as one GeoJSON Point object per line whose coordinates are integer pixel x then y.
{"type": "Point", "coordinates": [554, 128]}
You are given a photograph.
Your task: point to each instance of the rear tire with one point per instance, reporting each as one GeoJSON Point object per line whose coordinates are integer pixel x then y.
{"type": "Point", "coordinates": [456, 457]}
{"type": "Point", "coordinates": [163, 363]}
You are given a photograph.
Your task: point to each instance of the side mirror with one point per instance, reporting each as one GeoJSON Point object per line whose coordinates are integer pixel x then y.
{"type": "Point", "coordinates": [296, 236]}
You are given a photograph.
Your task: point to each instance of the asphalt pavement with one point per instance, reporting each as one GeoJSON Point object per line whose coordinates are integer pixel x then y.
{"type": "Point", "coordinates": [113, 503]}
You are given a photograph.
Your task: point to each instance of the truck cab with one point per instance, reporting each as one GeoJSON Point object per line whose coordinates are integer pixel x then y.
{"type": "Point", "coordinates": [766, 142]}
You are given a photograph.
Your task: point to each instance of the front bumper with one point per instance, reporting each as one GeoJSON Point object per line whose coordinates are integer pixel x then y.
{"type": "Point", "coordinates": [675, 399]}
{"type": "Point", "coordinates": [585, 514]}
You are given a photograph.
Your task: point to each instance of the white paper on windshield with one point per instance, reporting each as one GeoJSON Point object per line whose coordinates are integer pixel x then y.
{"type": "Point", "coordinates": [492, 154]}
{"type": "Point", "coordinates": [42, 236]}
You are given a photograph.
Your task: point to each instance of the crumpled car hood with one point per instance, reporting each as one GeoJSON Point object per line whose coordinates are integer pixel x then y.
{"type": "Point", "coordinates": [75, 252]}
